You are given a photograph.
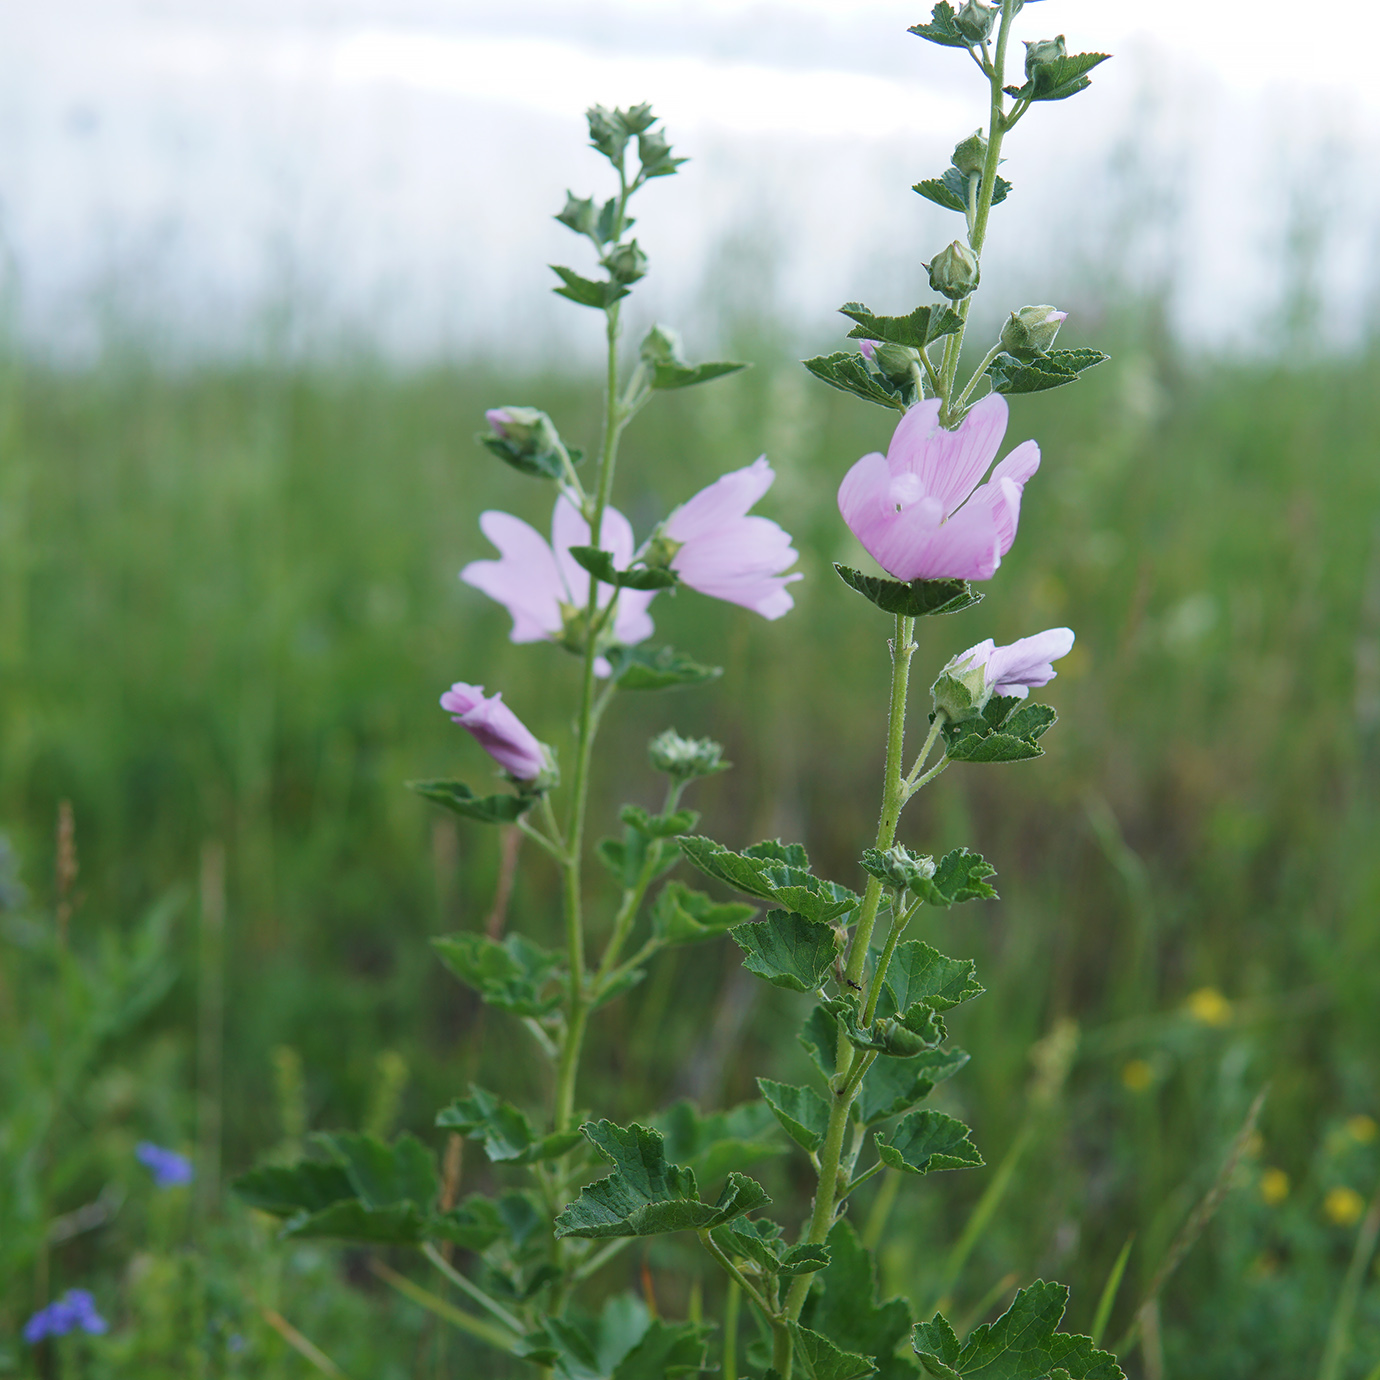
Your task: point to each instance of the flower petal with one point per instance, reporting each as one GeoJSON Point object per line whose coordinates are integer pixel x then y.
{"type": "Point", "coordinates": [727, 498]}
{"type": "Point", "coordinates": [948, 464]}
{"type": "Point", "coordinates": [526, 581]}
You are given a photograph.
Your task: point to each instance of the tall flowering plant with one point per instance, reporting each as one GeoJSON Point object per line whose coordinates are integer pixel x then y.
{"type": "Point", "coordinates": [938, 516]}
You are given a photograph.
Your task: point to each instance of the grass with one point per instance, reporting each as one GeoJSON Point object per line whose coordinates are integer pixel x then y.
{"type": "Point", "coordinates": [228, 604]}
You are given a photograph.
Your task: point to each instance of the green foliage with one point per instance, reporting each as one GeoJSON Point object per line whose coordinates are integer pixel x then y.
{"type": "Point", "coordinates": [951, 190]}
{"type": "Point", "coordinates": [668, 376]}
{"type": "Point", "coordinates": [1041, 372]}
{"type": "Point", "coordinates": [942, 29]}
{"type": "Point", "coordinates": [772, 871]}
{"type": "Point", "coordinates": [1065, 76]}
{"type": "Point", "coordinates": [851, 373]}
{"type": "Point", "coordinates": [505, 1130]}
{"type": "Point", "coordinates": [640, 847]}
{"type": "Point", "coordinates": [457, 797]}
{"type": "Point", "coordinates": [682, 916]}
{"type": "Point", "coordinates": [819, 1359]}
{"type": "Point", "coordinates": [657, 668]}
{"type": "Point", "coordinates": [1021, 1345]}
{"type": "Point", "coordinates": [712, 1145]}
{"type": "Point", "coordinates": [623, 1343]}
{"type": "Point", "coordinates": [474, 1224]}
{"type": "Point", "coordinates": [893, 1086]}
{"type": "Point", "coordinates": [802, 1112]}
{"type": "Point", "coordinates": [957, 877]}
{"type": "Point", "coordinates": [913, 598]}
{"type": "Point", "coordinates": [285, 1190]}
{"type": "Point", "coordinates": [917, 330]}
{"type": "Point", "coordinates": [760, 1241]}
{"type": "Point", "coordinates": [658, 826]}
{"type": "Point", "coordinates": [928, 1140]}
{"type": "Point", "coordinates": [1003, 733]}
{"type": "Point", "coordinates": [918, 1030]}
{"type": "Point", "coordinates": [788, 950]}
{"type": "Point", "coordinates": [646, 1195]}
{"type": "Point", "coordinates": [600, 565]}
{"type": "Point", "coordinates": [514, 975]}
{"type": "Point", "coordinates": [587, 292]}
{"type": "Point", "coordinates": [921, 976]}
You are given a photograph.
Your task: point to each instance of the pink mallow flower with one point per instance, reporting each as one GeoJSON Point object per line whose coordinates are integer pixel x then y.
{"type": "Point", "coordinates": [496, 729]}
{"type": "Point", "coordinates": [919, 509]}
{"type": "Point", "coordinates": [724, 553]}
{"type": "Point", "coordinates": [1018, 668]}
{"type": "Point", "coordinates": [542, 585]}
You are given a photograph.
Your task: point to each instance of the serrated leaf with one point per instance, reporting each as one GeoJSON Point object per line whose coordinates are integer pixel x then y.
{"type": "Point", "coordinates": [819, 1359]}
{"type": "Point", "coordinates": [514, 975]}
{"type": "Point", "coordinates": [646, 1195]}
{"type": "Point", "coordinates": [667, 376]}
{"type": "Point", "coordinates": [657, 668]}
{"type": "Point", "coordinates": [914, 598]}
{"type": "Point", "coordinates": [851, 373]}
{"type": "Point", "coordinates": [1022, 1344]}
{"type": "Point", "coordinates": [658, 826]}
{"type": "Point", "coordinates": [1062, 78]}
{"type": "Point", "coordinates": [384, 1175]}
{"type": "Point", "coordinates": [682, 916]}
{"type": "Point", "coordinates": [788, 950]}
{"type": "Point", "coordinates": [957, 877]}
{"type": "Point", "coordinates": [473, 1225]}
{"type": "Point", "coordinates": [893, 1086]}
{"type": "Point", "coordinates": [713, 1144]}
{"type": "Point", "coordinates": [600, 564]}
{"type": "Point", "coordinates": [887, 1035]}
{"type": "Point", "coordinates": [768, 873]}
{"type": "Point", "coordinates": [1037, 375]}
{"type": "Point", "coordinates": [926, 1141]}
{"type": "Point", "coordinates": [843, 1306]}
{"type": "Point", "coordinates": [950, 190]}
{"type": "Point", "coordinates": [941, 29]}
{"type": "Point", "coordinates": [919, 975]}
{"type": "Point", "coordinates": [401, 1225]}
{"type": "Point", "coordinates": [975, 740]}
{"type": "Point", "coordinates": [283, 1190]}
{"type": "Point", "coordinates": [504, 1129]}
{"type": "Point", "coordinates": [802, 1112]}
{"type": "Point", "coordinates": [459, 799]}
{"type": "Point", "coordinates": [819, 1037]}
{"type": "Point", "coordinates": [916, 330]}
{"type": "Point", "coordinates": [586, 292]}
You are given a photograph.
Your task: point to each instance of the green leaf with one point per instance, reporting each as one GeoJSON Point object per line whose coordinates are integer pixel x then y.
{"type": "Point", "coordinates": [951, 190]}
{"type": "Point", "coordinates": [712, 1145]}
{"type": "Point", "coordinates": [893, 1086]}
{"type": "Point", "coordinates": [646, 1195]}
{"type": "Point", "coordinates": [1021, 1345]}
{"type": "Point", "coordinates": [819, 1037]}
{"type": "Point", "coordinates": [459, 799]}
{"type": "Point", "coordinates": [581, 1347]}
{"type": "Point", "coordinates": [666, 1349]}
{"type": "Point", "coordinates": [921, 976]}
{"type": "Point", "coordinates": [402, 1225]}
{"type": "Point", "coordinates": [957, 877]}
{"type": "Point", "coordinates": [929, 1140]}
{"type": "Point", "coordinates": [802, 1112]}
{"type": "Point", "coordinates": [585, 292]}
{"type": "Point", "coordinates": [284, 1190]}
{"type": "Point", "coordinates": [1060, 79]}
{"type": "Point", "coordinates": [1017, 740]}
{"type": "Point", "coordinates": [920, 1030]}
{"type": "Point", "coordinates": [666, 376]}
{"type": "Point", "coordinates": [788, 950]}
{"type": "Point", "coordinates": [851, 373]}
{"type": "Point", "coordinates": [658, 826]}
{"type": "Point", "coordinates": [657, 668]}
{"type": "Point", "coordinates": [819, 1359]}
{"type": "Point", "coordinates": [624, 982]}
{"type": "Point", "coordinates": [473, 1225]}
{"type": "Point", "coordinates": [912, 599]}
{"type": "Point", "coordinates": [505, 1130]}
{"type": "Point", "coordinates": [760, 1241]}
{"type": "Point", "coordinates": [1012, 375]}
{"type": "Point", "coordinates": [682, 916]}
{"type": "Point", "coordinates": [772, 871]}
{"type": "Point", "coordinates": [600, 565]}
{"type": "Point", "coordinates": [384, 1175]}
{"type": "Point", "coordinates": [941, 29]}
{"type": "Point", "coordinates": [514, 975]}
{"type": "Point", "coordinates": [542, 464]}
{"type": "Point", "coordinates": [843, 1306]}
{"type": "Point", "coordinates": [917, 329]}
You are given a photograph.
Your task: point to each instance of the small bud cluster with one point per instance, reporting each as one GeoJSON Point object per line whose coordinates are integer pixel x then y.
{"type": "Point", "coordinates": [686, 758]}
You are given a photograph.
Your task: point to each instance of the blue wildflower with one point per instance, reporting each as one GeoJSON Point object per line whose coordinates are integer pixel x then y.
{"type": "Point", "coordinates": [169, 1169]}
{"type": "Point", "coordinates": [76, 1308]}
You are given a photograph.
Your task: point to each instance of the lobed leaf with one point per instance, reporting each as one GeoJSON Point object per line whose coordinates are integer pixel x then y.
{"type": "Point", "coordinates": [711, 1145]}
{"type": "Point", "coordinates": [658, 826]}
{"type": "Point", "coordinates": [916, 330]}
{"type": "Point", "coordinates": [585, 291]}
{"type": "Point", "coordinates": [682, 916]}
{"type": "Point", "coordinates": [514, 975]}
{"type": "Point", "coordinates": [914, 598]}
{"type": "Point", "coordinates": [851, 373]}
{"type": "Point", "coordinates": [474, 1225]}
{"type": "Point", "coordinates": [917, 1031]}
{"type": "Point", "coordinates": [819, 1359]}
{"type": "Point", "coordinates": [950, 190]}
{"type": "Point", "coordinates": [402, 1225]}
{"type": "Point", "coordinates": [1062, 78]}
{"type": "Point", "coordinates": [928, 1140]}
{"type": "Point", "coordinates": [893, 1086]}
{"type": "Point", "coordinates": [919, 975]}
{"type": "Point", "coordinates": [459, 799]}
{"type": "Point", "coordinates": [788, 950]}
{"type": "Point", "coordinates": [1042, 372]}
{"type": "Point", "coordinates": [657, 668]}
{"type": "Point", "coordinates": [384, 1175]}
{"type": "Point", "coordinates": [1016, 739]}
{"type": "Point", "coordinates": [941, 29]}
{"type": "Point", "coordinates": [958, 876]}
{"type": "Point", "coordinates": [772, 871]}
{"type": "Point", "coordinates": [505, 1130]}
{"type": "Point", "coordinates": [287, 1189]}
{"type": "Point", "coordinates": [802, 1112]}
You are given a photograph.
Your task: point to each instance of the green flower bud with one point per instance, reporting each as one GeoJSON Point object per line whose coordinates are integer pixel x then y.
{"type": "Point", "coordinates": [971, 155]}
{"type": "Point", "coordinates": [660, 552]}
{"type": "Point", "coordinates": [974, 21]}
{"type": "Point", "coordinates": [685, 758]}
{"type": "Point", "coordinates": [961, 692]}
{"type": "Point", "coordinates": [579, 214]}
{"type": "Point", "coordinates": [654, 153]}
{"type": "Point", "coordinates": [626, 262]}
{"type": "Point", "coordinates": [662, 345]}
{"type": "Point", "coordinates": [1032, 330]}
{"type": "Point", "coordinates": [894, 362]}
{"type": "Point", "coordinates": [904, 868]}
{"type": "Point", "coordinates": [1042, 53]}
{"type": "Point", "coordinates": [954, 271]}
{"type": "Point", "coordinates": [637, 118]}
{"type": "Point", "coordinates": [607, 132]}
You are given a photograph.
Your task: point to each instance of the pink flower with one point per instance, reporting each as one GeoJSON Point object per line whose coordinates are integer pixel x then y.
{"type": "Point", "coordinates": [1019, 668]}
{"type": "Point", "coordinates": [541, 585]}
{"type": "Point", "coordinates": [919, 510]}
{"type": "Point", "coordinates": [726, 554]}
{"type": "Point", "coordinates": [497, 730]}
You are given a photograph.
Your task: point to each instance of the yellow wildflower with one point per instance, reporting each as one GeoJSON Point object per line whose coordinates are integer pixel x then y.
{"type": "Point", "coordinates": [1209, 1006]}
{"type": "Point", "coordinates": [1343, 1206]}
{"type": "Point", "coordinates": [1137, 1075]}
{"type": "Point", "coordinates": [1274, 1187]}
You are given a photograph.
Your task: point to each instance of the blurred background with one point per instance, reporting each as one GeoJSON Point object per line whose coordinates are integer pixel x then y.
{"type": "Point", "coordinates": [264, 266]}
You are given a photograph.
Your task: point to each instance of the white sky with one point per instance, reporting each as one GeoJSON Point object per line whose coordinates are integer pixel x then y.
{"type": "Point", "coordinates": [384, 172]}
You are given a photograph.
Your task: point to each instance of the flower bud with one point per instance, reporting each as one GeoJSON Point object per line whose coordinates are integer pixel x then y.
{"type": "Point", "coordinates": [971, 155]}
{"type": "Point", "coordinates": [607, 132]}
{"type": "Point", "coordinates": [527, 430]}
{"type": "Point", "coordinates": [974, 21]}
{"type": "Point", "coordinates": [962, 692]}
{"type": "Point", "coordinates": [685, 758]}
{"type": "Point", "coordinates": [579, 214]}
{"type": "Point", "coordinates": [626, 262]}
{"type": "Point", "coordinates": [1042, 53]}
{"type": "Point", "coordinates": [895, 362]}
{"type": "Point", "coordinates": [662, 345]}
{"type": "Point", "coordinates": [660, 551]}
{"type": "Point", "coordinates": [1032, 330]}
{"type": "Point", "coordinates": [904, 868]}
{"type": "Point", "coordinates": [954, 271]}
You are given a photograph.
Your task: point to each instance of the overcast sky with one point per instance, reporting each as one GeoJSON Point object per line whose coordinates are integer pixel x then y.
{"type": "Point", "coordinates": [331, 172]}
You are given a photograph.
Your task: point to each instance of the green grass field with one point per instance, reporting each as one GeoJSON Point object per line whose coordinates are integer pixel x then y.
{"type": "Point", "coordinates": [228, 603]}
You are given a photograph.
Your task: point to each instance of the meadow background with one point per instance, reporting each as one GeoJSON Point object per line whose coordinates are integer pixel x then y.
{"type": "Point", "coordinates": [228, 604]}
